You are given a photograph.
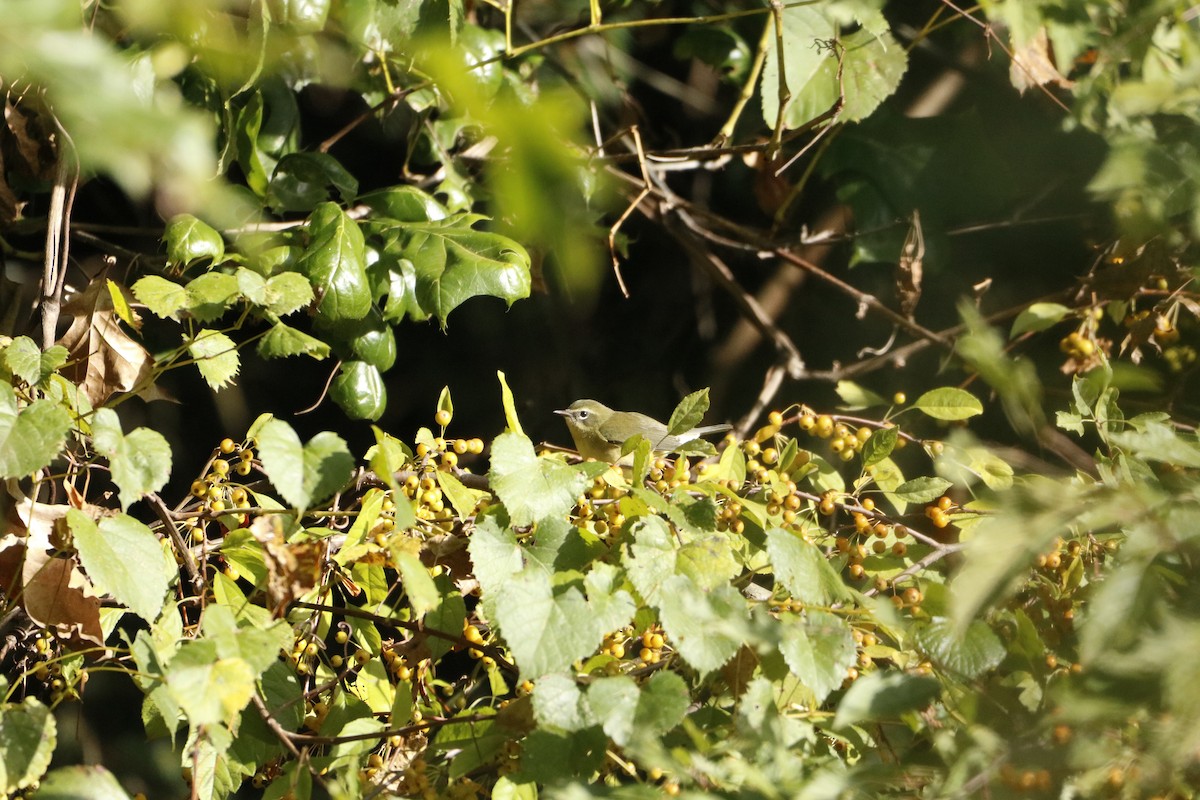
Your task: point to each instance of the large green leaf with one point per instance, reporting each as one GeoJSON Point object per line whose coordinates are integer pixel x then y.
{"type": "Point", "coordinates": [303, 180]}
{"type": "Point", "coordinates": [969, 653]}
{"type": "Point", "coordinates": [28, 362]}
{"type": "Point", "coordinates": [819, 650]}
{"type": "Point", "coordinates": [334, 262]}
{"type": "Point", "coordinates": [283, 340]}
{"type": "Point", "coordinates": [803, 570]}
{"type": "Point", "coordinates": [140, 461]}
{"type": "Point", "coordinates": [885, 694]}
{"type": "Point", "coordinates": [531, 487]}
{"type": "Point", "coordinates": [304, 474]}
{"type": "Point", "coordinates": [707, 628]}
{"type": "Point", "coordinates": [28, 735]}
{"type": "Point", "coordinates": [123, 558]}
{"type": "Point", "coordinates": [164, 298]}
{"type": "Point", "coordinates": [628, 711]}
{"type": "Point", "coordinates": [80, 782]}
{"type": "Point", "coordinates": [211, 294]}
{"type": "Point", "coordinates": [210, 689]}
{"type": "Point", "coordinates": [454, 263]}
{"type": "Point", "coordinates": [31, 437]}
{"type": "Point", "coordinates": [949, 403]}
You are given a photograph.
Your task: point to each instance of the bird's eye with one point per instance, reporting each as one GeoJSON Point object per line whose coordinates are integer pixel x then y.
{"type": "Point", "coordinates": [583, 414]}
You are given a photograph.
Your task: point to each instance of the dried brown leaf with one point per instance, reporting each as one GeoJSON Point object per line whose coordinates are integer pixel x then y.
{"type": "Point", "coordinates": [1033, 65]}
{"type": "Point", "coordinates": [103, 358]}
{"type": "Point", "coordinates": [56, 594]}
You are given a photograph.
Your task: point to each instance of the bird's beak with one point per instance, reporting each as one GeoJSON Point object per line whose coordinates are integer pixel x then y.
{"type": "Point", "coordinates": [562, 412]}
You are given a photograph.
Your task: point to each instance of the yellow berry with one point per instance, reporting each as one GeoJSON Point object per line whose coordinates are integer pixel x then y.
{"type": "Point", "coordinates": [227, 445]}
{"type": "Point", "coordinates": [442, 417]}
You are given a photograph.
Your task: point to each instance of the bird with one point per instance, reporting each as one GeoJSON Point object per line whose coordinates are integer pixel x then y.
{"type": "Point", "coordinates": [599, 431]}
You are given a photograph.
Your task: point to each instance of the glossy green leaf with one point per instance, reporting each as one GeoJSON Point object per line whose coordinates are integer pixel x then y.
{"type": "Point", "coordinates": [190, 241]}
{"type": "Point", "coordinates": [334, 262]}
{"type": "Point", "coordinates": [359, 390]}
{"type": "Point", "coordinates": [879, 446]}
{"type": "Point", "coordinates": [80, 782]}
{"type": "Point", "coordinates": [304, 474]}
{"type": "Point", "coordinates": [454, 264]}
{"type": "Point", "coordinates": [948, 403]}
{"type": "Point", "coordinates": [123, 558]}
{"type": "Point", "coordinates": [28, 735]}
{"type": "Point", "coordinates": [30, 437]}
{"type": "Point", "coordinates": [216, 357]}
{"type": "Point", "coordinates": [302, 181]}
{"type": "Point", "coordinates": [531, 487]}
{"type": "Point", "coordinates": [405, 204]}
{"type": "Point", "coordinates": [164, 298]}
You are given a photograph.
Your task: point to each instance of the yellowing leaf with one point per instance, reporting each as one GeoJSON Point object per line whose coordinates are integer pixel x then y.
{"type": "Point", "coordinates": [216, 357]}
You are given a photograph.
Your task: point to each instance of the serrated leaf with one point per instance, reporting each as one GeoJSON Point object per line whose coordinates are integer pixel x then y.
{"type": "Point", "coordinates": [707, 628]}
{"type": "Point", "coordinates": [882, 695]}
{"type": "Point", "coordinates": [334, 262]}
{"type": "Point", "coordinates": [304, 474]}
{"type": "Point", "coordinates": [531, 487]}
{"type": "Point", "coordinates": [949, 403]}
{"type": "Point", "coordinates": [879, 445]}
{"type": "Point", "coordinates": [252, 286]}
{"type": "Point", "coordinates": [210, 295]}
{"type": "Point", "coordinates": [211, 690]}
{"type": "Point", "coordinates": [162, 297]}
{"type": "Point", "coordinates": [282, 341]}
{"type": "Point", "coordinates": [287, 292]}
{"type": "Point", "coordinates": [123, 558]}
{"type": "Point", "coordinates": [559, 703]}
{"type": "Point", "coordinates": [23, 359]}
{"type": "Point", "coordinates": [818, 650]}
{"type": "Point", "coordinates": [140, 461]}
{"type": "Point", "coordinates": [303, 180]}
{"type": "Point", "coordinates": [802, 568]}
{"type": "Point", "coordinates": [454, 264]}
{"type": "Point", "coordinates": [189, 241]}
{"type": "Point", "coordinates": [688, 413]}
{"type": "Point", "coordinates": [29, 438]}
{"type": "Point", "coordinates": [1038, 317]}
{"type": "Point", "coordinates": [922, 490]}
{"type": "Point", "coordinates": [216, 357]}
{"type": "Point", "coordinates": [968, 653]}
{"type": "Point", "coordinates": [28, 734]}
{"type": "Point", "coordinates": [629, 712]}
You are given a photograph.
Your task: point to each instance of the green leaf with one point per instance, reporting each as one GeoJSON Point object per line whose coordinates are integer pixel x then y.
{"type": "Point", "coordinates": [1038, 317]}
{"type": "Point", "coordinates": [884, 695]}
{"type": "Point", "coordinates": [140, 461]}
{"type": "Point", "coordinates": [334, 262]}
{"type": "Point", "coordinates": [855, 397]}
{"type": "Point", "coordinates": [707, 628]}
{"type": "Point", "coordinates": [80, 782]}
{"type": "Point", "coordinates": [546, 629]}
{"type": "Point", "coordinates": [949, 403]}
{"type": "Point", "coordinates": [803, 569]}
{"type": "Point", "coordinates": [287, 292]}
{"type": "Point", "coordinates": [968, 653]}
{"type": "Point", "coordinates": [649, 559]}
{"type": "Point", "coordinates": [688, 413]}
{"type": "Point", "coordinates": [462, 498]}
{"type": "Point", "coordinates": [818, 651]}
{"type": "Point", "coordinates": [551, 758]}
{"type": "Point", "coordinates": [216, 357]}
{"type": "Point", "coordinates": [304, 474]}
{"type": "Point", "coordinates": [210, 690]}
{"type": "Point", "coordinates": [23, 359]}
{"type": "Point", "coordinates": [419, 587]}
{"type": "Point", "coordinates": [510, 406]}
{"type": "Point", "coordinates": [804, 29]}
{"type": "Point", "coordinates": [211, 294]}
{"type": "Point", "coordinates": [530, 487]}
{"type": "Point", "coordinates": [559, 703]}
{"type": "Point", "coordinates": [30, 438]}
{"type": "Point", "coordinates": [454, 264]}
{"type": "Point", "coordinates": [283, 340]}
{"type": "Point", "coordinates": [405, 204]}
{"type": "Point", "coordinates": [252, 286]}
{"type": "Point", "coordinates": [123, 558]}
{"type": "Point", "coordinates": [629, 712]}
{"type": "Point", "coordinates": [359, 390]}
{"type": "Point", "coordinates": [303, 180]}
{"type": "Point", "coordinates": [922, 490]}
{"type": "Point", "coordinates": [28, 735]}
{"type": "Point", "coordinates": [879, 445]}
{"type": "Point", "coordinates": [190, 241]}
{"type": "Point", "coordinates": [164, 298]}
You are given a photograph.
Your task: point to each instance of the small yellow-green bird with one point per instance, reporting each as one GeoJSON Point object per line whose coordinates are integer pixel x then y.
{"type": "Point", "coordinates": [599, 431]}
